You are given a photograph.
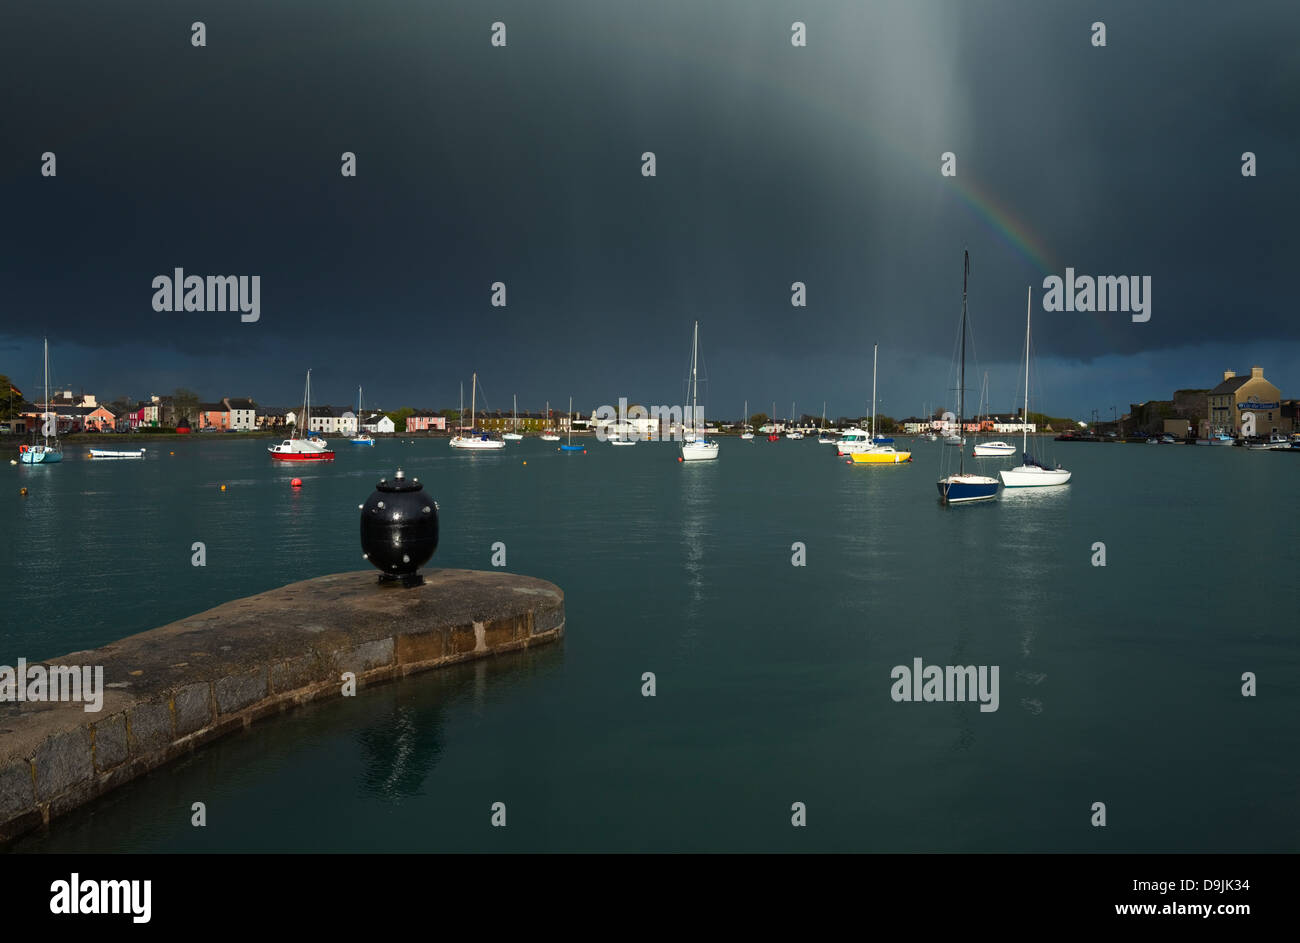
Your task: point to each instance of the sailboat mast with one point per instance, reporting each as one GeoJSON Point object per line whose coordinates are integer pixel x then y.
{"type": "Point", "coordinates": [695, 379]}
{"type": "Point", "coordinates": [961, 391]}
{"type": "Point", "coordinates": [45, 420]}
{"type": "Point", "coordinates": [875, 350]}
{"type": "Point", "coordinates": [1024, 420]}
{"type": "Point", "coordinates": [473, 391]}
{"type": "Point", "coordinates": [569, 421]}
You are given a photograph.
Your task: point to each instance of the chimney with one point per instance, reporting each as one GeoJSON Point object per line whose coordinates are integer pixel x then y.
{"type": "Point", "coordinates": [1257, 373]}
{"type": "Point", "coordinates": [1229, 374]}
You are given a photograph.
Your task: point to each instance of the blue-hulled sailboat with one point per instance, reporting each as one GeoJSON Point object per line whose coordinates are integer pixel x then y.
{"type": "Point", "coordinates": [44, 454]}
{"type": "Point", "coordinates": [963, 488]}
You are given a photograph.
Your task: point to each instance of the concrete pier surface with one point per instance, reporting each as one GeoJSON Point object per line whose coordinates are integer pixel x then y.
{"type": "Point", "coordinates": [175, 688]}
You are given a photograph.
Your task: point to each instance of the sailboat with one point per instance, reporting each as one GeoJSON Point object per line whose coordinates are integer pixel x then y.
{"type": "Point", "coordinates": [697, 448]}
{"type": "Point", "coordinates": [997, 447]}
{"type": "Point", "coordinates": [1032, 473]}
{"type": "Point", "coordinates": [878, 454]}
{"type": "Point", "coordinates": [308, 448]}
{"type": "Point", "coordinates": [963, 488]}
{"type": "Point", "coordinates": [771, 435]}
{"type": "Point", "coordinates": [824, 436]}
{"type": "Point", "coordinates": [548, 434]}
{"type": "Point", "coordinates": [794, 432]}
{"type": "Point", "coordinates": [361, 438]}
{"type": "Point", "coordinates": [748, 434]}
{"type": "Point", "coordinates": [569, 446]}
{"type": "Point", "coordinates": [513, 435]}
{"type": "Point", "coordinates": [471, 438]}
{"type": "Point", "coordinates": [44, 454]}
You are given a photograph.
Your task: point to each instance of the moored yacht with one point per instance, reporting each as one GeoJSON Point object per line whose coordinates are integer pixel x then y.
{"type": "Point", "coordinates": [963, 487]}
{"type": "Point", "coordinates": [311, 448]}
{"type": "Point", "coordinates": [472, 438]}
{"type": "Point", "coordinates": [697, 446]}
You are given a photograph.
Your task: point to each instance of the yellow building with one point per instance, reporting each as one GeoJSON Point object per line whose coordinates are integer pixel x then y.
{"type": "Point", "coordinates": [1236, 396]}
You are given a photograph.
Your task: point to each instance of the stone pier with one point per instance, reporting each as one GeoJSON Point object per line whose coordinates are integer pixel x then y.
{"type": "Point", "coordinates": [175, 688]}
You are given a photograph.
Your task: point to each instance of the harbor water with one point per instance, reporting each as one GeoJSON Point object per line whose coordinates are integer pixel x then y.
{"type": "Point", "coordinates": [1119, 684]}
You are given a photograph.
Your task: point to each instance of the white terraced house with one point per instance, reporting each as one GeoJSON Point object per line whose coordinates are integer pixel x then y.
{"type": "Point", "coordinates": [243, 413]}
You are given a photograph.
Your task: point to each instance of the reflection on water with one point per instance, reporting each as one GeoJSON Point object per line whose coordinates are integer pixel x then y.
{"type": "Point", "coordinates": [400, 749]}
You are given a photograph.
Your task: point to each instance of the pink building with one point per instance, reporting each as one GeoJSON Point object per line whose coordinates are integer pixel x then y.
{"type": "Point", "coordinates": [214, 416]}
{"type": "Point", "coordinates": [426, 422]}
{"type": "Point", "coordinates": [99, 419]}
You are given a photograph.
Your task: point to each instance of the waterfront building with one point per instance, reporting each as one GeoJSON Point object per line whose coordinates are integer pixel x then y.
{"type": "Point", "coordinates": [426, 422]}
{"type": "Point", "coordinates": [214, 416]}
{"type": "Point", "coordinates": [1254, 394]}
{"type": "Point", "coordinates": [325, 420]}
{"type": "Point", "coordinates": [242, 413]}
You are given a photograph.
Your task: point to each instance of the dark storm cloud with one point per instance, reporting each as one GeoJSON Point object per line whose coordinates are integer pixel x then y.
{"type": "Point", "coordinates": [522, 165]}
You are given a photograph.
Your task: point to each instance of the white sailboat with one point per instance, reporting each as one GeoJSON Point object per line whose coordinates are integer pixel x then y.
{"type": "Point", "coordinates": [303, 448]}
{"type": "Point", "coordinates": [513, 435]}
{"type": "Point", "coordinates": [44, 454]}
{"type": "Point", "coordinates": [697, 447]}
{"type": "Point", "coordinates": [362, 437]}
{"type": "Point", "coordinates": [963, 488]}
{"type": "Point", "coordinates": [1032, 473]}
{"type": "Point", "coordinates": [794, 432]}
{"type": "Point", "coordinates": [748, 434]}
{"type": "Point", "coordinates": [996, 447]}
{"type": "Point", "coordinates": [548, 434]}
{"type": "Point", "coordinates": [471, 438]}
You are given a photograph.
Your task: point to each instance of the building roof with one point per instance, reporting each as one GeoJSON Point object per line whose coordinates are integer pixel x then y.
{"type": "Point", "coordinates": [212, 407]}
{"type": "Point", "coordinates": [1231, 385]}
{"type": "Point", "coordinates": [240, 403]}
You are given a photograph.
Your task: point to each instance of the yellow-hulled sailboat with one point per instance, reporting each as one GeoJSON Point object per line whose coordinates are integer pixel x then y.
{"type": "Point", "coordinates": [878, 454]}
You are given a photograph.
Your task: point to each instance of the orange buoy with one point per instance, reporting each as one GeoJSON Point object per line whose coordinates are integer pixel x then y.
{"type": "Point", "coordinates": [23, 492]}
{"type": "Point", "coordinates": [171, 453]}
{"type": "Point", "coordinates": [223, 487]}
{"type": "Point", "coordinates": [296, 483]}
{"type": "Point", "coordinates": [525, 463]}
{"type": "Point", "coordinates": [679, 458]}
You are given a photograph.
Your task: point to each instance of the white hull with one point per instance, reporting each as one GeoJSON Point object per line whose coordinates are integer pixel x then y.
{"type": "Point", "coordinates": [465, 442]}
{"type": "Point", "coordinates": [105, 453]}
{"type": "Point", "coordinates": [622, 441]}
{"type": "Point", "coordinates": [512, 437]}
{"type": "Point", "coordinates": [699, 451]}
{"type": "Point", "coordinates": [995, 448]}
{"type": "Point", "coordinates": [748, 436]}
{"type": "Point", "coordinates": [550, 438]}
{"type": "Point", "coordinates": [1031, 476]}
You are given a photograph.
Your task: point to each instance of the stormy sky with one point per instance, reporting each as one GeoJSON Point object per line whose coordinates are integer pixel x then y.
{"type": "Point", "coordinates": [522, 164]}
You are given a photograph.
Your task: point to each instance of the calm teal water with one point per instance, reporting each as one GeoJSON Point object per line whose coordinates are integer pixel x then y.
{"type": "Point", "coordinates": [1118, 684]}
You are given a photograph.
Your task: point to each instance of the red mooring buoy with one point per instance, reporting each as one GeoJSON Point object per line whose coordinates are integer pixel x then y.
{"type": "Point", "coordinates": [296, 483]}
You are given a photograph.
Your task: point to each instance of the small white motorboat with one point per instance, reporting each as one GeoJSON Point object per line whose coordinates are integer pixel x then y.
{"type": "Point", "coordinates": [117, 453]}
{"type": "Point", "coordinates": [994, 448]}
